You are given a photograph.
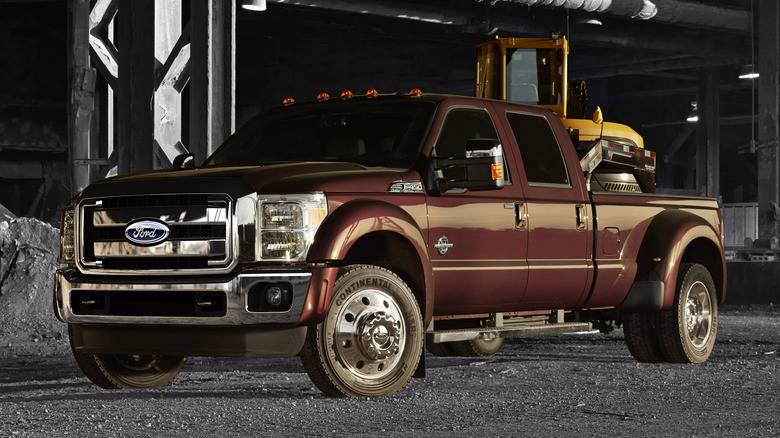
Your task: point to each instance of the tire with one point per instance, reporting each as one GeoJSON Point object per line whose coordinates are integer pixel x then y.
{"type": "Point", "coordinates": [441, 349]}
{"type": "Point", "coordinates": [110, 371]}
{"type": "Point", "coordinates": [641, 337]}
{"type": "Point", "coordinates": [371, 341]}
{"type": "Point", "coordinates": [687, 331]}
{"type": "Point", "coordinates": [478, 347]}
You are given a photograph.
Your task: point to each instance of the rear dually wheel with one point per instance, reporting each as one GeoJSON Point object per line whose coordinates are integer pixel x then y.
{"type": "Point", "coordinates": [687, 331]}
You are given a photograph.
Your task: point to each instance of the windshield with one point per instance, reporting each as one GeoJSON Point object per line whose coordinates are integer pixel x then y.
{"type": "Point", "coordinates": [371, 133]}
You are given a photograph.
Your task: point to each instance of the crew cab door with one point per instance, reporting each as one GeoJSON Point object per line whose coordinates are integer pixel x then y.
{"type": "Point", "coordinates": [559, 215]}
{"type": "Point", "coordinates": [476, 243]}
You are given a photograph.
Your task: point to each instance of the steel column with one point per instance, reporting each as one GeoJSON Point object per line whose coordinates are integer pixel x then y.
{"type": "Point", "coordinates": [212, 104]}
{"type": "Point", "coordinates": [172, 53]}
{"type": "Point", "coordinates": [135, 126]}
{"type": "Point", "coordinates": [82, 88]}
{"type": "Point", "coordinates": [768, 113]}
{"type": "Point", "coordinates": [708, 134]}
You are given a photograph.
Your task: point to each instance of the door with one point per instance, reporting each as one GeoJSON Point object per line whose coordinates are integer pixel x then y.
{"type": "Point", "coordinates": [559, 219]}
{"type": "Point", "coordinates": [477, 238]}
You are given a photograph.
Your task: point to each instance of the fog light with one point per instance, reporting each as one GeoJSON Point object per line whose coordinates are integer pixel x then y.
{"type": "Point", "coordinates": [274, 296]}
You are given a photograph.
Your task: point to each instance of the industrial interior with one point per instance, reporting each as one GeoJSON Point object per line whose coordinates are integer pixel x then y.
{"type": "Point", "coordinates": [91, 89]}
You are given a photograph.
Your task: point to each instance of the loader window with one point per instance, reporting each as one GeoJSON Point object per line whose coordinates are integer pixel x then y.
{"type": "Point", "coordinates": [541, 154]}
{"type": "Point", "coordinates": [489, 71]}
{"type": "Point", "coordinates": [534, 76]}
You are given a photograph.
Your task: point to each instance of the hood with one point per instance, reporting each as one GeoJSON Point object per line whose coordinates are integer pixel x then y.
{"type": "Point", "coordinates": [240, 181]}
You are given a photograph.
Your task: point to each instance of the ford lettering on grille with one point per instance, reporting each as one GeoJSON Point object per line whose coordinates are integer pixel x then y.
{"type": "Point", "coordinates": [147, 232]}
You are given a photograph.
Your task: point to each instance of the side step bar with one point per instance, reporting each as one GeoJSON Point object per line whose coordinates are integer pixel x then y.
{"type": "Point", "coordinates": [488, 333]}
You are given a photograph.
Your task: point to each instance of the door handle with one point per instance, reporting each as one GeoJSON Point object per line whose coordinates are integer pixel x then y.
{"type": "Point", "coordinates": [582, 218]}
{"type": "Point", "coordinates": [521, 216]}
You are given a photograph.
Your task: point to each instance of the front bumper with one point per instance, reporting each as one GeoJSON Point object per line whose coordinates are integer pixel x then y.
{"type": "Point", "coordinates": [222, 301]}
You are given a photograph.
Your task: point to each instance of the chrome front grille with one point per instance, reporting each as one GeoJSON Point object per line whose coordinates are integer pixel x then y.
{"type": "Point", "coordinates": [199, 239]}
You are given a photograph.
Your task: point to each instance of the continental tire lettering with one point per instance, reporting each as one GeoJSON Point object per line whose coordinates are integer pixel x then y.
{"type": "Point", "coordinates": [330, 351]}
{"type": "Point", "coordinates": [363, 283]}
{"type": "Point", "coordinates": [343, 296]}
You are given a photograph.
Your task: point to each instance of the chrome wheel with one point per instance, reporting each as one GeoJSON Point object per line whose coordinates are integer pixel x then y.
{"type": "Point", "coordinates": [371, 341]}
{"type": "Point", "coordinates": [698, 314]}
{"type": "Point", "coordinates": [687, 331]}
{"type": "Point", "coordinates": [370, 334]}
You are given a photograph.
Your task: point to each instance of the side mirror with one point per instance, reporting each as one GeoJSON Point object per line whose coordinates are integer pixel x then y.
{"type": "Point", "coordinates": [183, 161]}
{"type": "Point", "coordinates": [481, 169]}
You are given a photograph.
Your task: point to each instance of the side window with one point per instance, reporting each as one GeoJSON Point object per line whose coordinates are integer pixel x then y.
{"type": "Point", "coordinates": [542, 158]}
{"type": "Point", "coordinates": [460, 125]}
{"type": "Point", "coordinates": [463, 124]}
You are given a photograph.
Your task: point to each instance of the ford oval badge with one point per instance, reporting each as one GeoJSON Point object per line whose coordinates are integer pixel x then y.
{"type": "Point", "coordinates": [147, 232]}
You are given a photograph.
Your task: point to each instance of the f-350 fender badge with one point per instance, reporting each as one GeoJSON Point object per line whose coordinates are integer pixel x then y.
{"type": "Point", "coordinates": [443, 245]}
{"type": "Point", "coordinates": [147, 232]}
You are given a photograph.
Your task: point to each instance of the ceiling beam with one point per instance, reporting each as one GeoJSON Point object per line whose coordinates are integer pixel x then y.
{"type": "Point", "coordinates": [658, 65]}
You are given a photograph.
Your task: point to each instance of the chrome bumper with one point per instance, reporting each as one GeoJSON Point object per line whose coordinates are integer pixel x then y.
{"type": "Point", "coordinates": [233, 293]}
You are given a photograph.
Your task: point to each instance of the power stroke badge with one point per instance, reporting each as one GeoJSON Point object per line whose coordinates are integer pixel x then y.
{"type": "Point", "coordinates": [147, 232]}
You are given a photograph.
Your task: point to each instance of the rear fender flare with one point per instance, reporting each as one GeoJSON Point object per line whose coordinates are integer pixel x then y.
{"type": "Point", "coordinates": [664, 244]}
{"type": "Point", "coordinates": [355, 219]}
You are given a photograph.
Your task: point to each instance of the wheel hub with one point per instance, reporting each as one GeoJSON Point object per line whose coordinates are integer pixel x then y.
{"type": "Point", "coordinates": [369, 334]}
{"type": "Point", "coordinates": [379, 335]}
{"type": "Point", "coordinates": [137, 362]}
{"type": "Point", "coordinates": [698, 314]}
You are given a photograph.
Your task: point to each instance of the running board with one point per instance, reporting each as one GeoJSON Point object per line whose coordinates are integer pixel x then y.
{"type": "Point", "coordinates": [488, 333]}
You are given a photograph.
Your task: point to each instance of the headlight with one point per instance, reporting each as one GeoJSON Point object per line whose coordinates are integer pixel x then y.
{"type": "Point", "coordinates": [67, 237]}
{"type": "Point", "coordinates": [286, 225]}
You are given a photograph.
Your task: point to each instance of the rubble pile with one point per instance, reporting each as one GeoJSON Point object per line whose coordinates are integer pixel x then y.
{"type": "Point", "coordinates": [28, 259]}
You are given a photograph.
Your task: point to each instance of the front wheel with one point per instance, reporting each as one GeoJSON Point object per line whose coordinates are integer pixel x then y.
{"type": "Point", "coordinates": [127, 371]}
{"type": "Point", "coordinates": [371, 341]}
{"type": "Point", "coordinates": [687, 331]}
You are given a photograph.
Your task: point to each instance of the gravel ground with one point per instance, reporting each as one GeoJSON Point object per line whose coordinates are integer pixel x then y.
{"type": "Point", "coordinates": [568, 385]}
{"type": "Point", "coordinates": [582, 384]}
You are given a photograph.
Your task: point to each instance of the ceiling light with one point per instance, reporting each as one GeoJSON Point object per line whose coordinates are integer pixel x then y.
{"type": "Point", "coordinates": [748, 71]}
{"type": "Point", "coordinates": [694, 115]}
{"type": "Point", "coordinates": [253, 5]}
{"type": "Point", "coordinates": [586, 18]}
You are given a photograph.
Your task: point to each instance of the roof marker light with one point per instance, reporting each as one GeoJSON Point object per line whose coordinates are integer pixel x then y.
{"type": "Point", "coordinates": [372, 93]}
{"type": "Point", "coordinates": [322, 97]}
{"type": "Point", "coordinates": [346, 94]}
{"type": "Point", "coordinates": [288, 101]}
{"type": "Point", "coordinates": [415, 92]}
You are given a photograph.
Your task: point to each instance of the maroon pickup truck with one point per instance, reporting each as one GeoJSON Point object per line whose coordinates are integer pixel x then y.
{"type": "Point", "coordinates": [360, 232]}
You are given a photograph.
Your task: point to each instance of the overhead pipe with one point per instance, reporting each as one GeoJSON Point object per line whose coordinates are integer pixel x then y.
{"type": "Point", "coordinates": [517, 23]}
{"type": "Point", "coordinates": [661, 11]}
{"type": "Point", "coordinates": [664, 11]}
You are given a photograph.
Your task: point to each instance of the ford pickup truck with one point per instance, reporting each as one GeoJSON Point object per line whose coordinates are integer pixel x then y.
{"type": "Point", "coordinates": [360, 232]}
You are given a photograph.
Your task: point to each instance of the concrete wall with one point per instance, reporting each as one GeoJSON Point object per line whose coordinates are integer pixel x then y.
{"type": "Point", "coordinates": [33, 114]}
{"type": "Point", "coordinates": [753, 283]}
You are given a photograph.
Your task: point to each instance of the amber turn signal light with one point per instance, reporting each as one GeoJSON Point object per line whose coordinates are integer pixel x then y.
{"type": "Point", "coordinates": [497, 171]}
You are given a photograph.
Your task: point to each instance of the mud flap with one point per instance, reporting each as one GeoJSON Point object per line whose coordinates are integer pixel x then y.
{"type": "Point", "coordinates": [419, 373]}
{"type": "Point", "coordinates": [644, 296]}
